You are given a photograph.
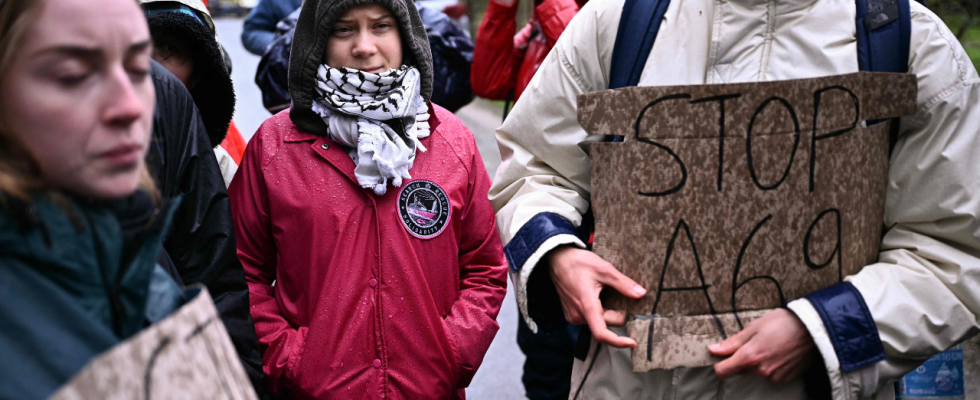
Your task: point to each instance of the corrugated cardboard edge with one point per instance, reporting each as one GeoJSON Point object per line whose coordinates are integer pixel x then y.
{"type": "Point", "coordinates": [682, 341]}
{"type": "Point", "coordinates": [971, 368]}
{"type": "Point", "coordinates": [122, 372]}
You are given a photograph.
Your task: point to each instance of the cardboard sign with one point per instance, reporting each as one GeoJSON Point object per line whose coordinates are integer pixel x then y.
{"type": "Point", "coordinates": [971, 368]}
{"type": "Point", "coordinates": [726, 201]}
{"type": "Point", "coordinates": [188, 355]}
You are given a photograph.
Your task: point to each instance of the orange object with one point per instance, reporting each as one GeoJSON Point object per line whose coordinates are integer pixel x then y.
{"type": "Point", "coordinates": [234, 143]}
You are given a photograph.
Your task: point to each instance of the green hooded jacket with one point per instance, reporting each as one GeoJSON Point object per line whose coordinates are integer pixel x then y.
{"type": "Point", "coordinates": [74, 283]}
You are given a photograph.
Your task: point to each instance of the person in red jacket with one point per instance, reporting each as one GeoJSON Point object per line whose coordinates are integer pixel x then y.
{"type": "Point", "coordinates": [503, 64]}
{"type": "Point", "coordinates": [369, 245]}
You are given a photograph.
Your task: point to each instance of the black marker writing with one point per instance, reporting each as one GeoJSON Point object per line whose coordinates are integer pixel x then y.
{"type": "Point", "coordinates": [721, 127]}
{"type": "Point", "coordinates": [738, 266]}
{"type": "Point", "coordinates": [816, 112]}
{"type": "Point", "coordinates": [837, 248]}
{"type": "Point", "coordinates": [748, 142]}
{"type": "Point", "coordinates": [660, 287]}
{"type": "Point", "coordinates": [636, 130]}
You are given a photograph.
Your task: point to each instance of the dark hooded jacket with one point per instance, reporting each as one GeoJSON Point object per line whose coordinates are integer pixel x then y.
{"type": "Point", "coordinates": [201, 242]}
{"type": "Point", "coordinates": [452, 53]}
{"type": "Point", "coordinates": [75, 282]}
{"type": "Point", "coordinates": [213, 92]}
{"type": "Point", "coordinates": [310, 41]}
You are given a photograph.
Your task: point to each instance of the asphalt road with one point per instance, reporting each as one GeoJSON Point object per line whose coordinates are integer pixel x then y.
{"type": "Point", "coordinates": [500, 375]}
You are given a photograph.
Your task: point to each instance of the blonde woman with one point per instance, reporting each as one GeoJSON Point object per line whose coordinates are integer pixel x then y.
{"type": "Point", "coordinates": [77, 105]}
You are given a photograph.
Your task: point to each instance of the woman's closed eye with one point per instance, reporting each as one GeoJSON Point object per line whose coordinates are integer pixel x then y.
{"type": "Point", "coordinates": [138, 74]}
{"type": "Point", "coordinates": [138, 64]}
{"type": "Point", "coordinates": [70, 81]}
{"type": "Point", "coordinates": [72, 74]}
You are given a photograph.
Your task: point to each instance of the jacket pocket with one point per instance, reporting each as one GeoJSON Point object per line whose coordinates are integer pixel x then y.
{"type": "Point", "coordinates": [461, 373]}
{"type": "Point", "coordinates": [454, 349]}
{"type": "Point", "coordinates": [295, 354]}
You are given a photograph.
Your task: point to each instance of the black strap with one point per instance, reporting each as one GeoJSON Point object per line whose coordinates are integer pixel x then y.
{"type": "Point", "coordinates": [884, 31]}
{"type": "Point", "coordinates": [638, 27]}
{"type": "Point", "coordinates": [508, 102]}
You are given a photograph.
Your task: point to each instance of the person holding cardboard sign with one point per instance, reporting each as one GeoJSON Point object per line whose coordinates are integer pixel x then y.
{"type": "Point", "coordinates": [916, 298]}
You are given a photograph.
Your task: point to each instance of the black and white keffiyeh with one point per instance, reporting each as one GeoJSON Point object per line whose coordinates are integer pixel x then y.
{"type": "Point", "coordinates": [360, 109]}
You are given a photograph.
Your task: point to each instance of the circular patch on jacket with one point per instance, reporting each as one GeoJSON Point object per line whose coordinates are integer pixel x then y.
{"type": "Point", "coordinates": [424, 208]}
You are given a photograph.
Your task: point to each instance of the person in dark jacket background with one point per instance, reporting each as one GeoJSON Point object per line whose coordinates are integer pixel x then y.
{"type": "Point", "coordinates": [259, 30]}
{"type": "Point", "coordinates": [74, 129]}
{"type": "Point", "coordinates": [184, 43]}
{"type": "Point", "coordinates": [452, 54]}
{"type": "Point", "coordinates": [201, 242]}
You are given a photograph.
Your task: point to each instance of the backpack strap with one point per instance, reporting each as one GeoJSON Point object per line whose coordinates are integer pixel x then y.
{"type": "Point", "coordinates": [884, 31]}
{"type": "Point", "coordinates": [638, 27]}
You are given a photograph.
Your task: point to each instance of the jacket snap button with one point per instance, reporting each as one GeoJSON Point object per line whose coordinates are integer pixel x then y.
{"type": "Point", "coordinates": [325, 146]}
{"type": "Point", "coordinates": [376, 363]}
{"type": "Point", "coordinates": [373, 283]}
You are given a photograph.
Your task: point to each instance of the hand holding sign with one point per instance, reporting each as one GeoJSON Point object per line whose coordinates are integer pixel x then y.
{"type": "Point", "coordinates": [579, 275]}
{"type": "Point", "coordinates": [727, 201]}
{"type": "Point", "coordinates": [777, 347]}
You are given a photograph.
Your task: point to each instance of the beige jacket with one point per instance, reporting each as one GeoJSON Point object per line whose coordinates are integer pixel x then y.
{"type": "Point", "coordinates": [923, 294]}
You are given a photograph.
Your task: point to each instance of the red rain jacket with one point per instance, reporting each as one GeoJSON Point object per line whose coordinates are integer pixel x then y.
{"type": "Point", "coordinates": [361, 308]}
{"type": "Point", "coordinates": [503, 62]}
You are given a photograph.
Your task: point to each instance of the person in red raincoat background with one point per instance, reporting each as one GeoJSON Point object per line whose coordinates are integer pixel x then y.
{"type": "Point", "coordinates": [369, 244]}
{"type": "Point", "coordinates": [503, 65]}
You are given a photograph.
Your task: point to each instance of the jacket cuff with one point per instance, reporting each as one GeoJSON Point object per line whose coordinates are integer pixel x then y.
{"type": "Point", "coordinates": [554, 16]}
{"type": "Point", "coordinates": [499, 11]}
{"type": "Point", "coordinates": [532, 235]}
{"type": "Point", "coordinates": [520, 276]}
{"type": "Point", "coordinates": [849, 325]}
{"type": "Point", "coordinates": [844, 385]}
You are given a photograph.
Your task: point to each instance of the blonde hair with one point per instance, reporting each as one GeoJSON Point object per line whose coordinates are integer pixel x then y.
{"type": "Point", "coordinates": [19, 173]}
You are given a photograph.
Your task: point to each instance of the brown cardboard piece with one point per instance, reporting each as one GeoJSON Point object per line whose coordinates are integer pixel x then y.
{"type": "Point", "coordinates": [971, 368]}
{"type": "Point", "coordinates": [188, 355]}
{"type": "Point", "coordinates": [726, 198]}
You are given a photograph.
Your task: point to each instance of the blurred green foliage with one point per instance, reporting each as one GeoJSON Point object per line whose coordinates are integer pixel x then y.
{"type": "Point", "coordinates": [963, 18]}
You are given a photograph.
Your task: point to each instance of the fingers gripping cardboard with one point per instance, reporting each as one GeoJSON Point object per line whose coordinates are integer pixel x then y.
{"type": "Point", "coordinates": [725, 201]}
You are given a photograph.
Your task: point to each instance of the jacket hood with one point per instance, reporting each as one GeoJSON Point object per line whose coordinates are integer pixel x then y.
{"type": "Point", "coordinates": [310, 41]}
{"type": "Point", "coordinates": [213, 92]}
{"type": "Point", "coordinates": [196, 5]}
